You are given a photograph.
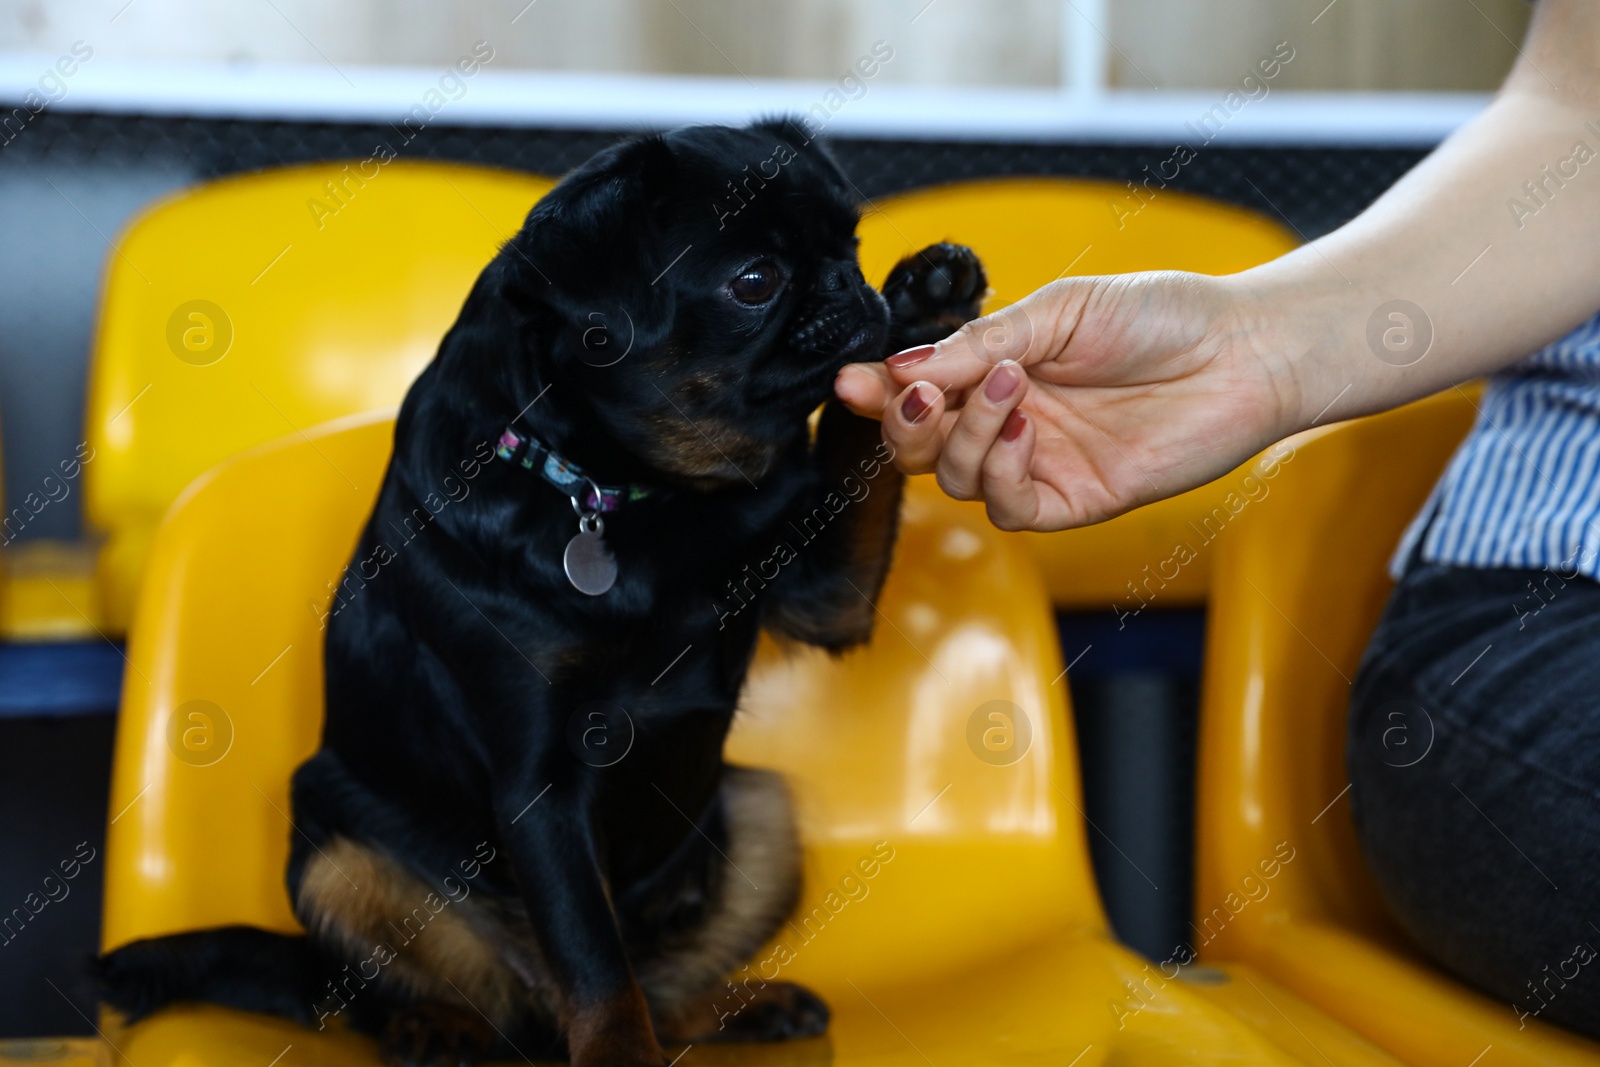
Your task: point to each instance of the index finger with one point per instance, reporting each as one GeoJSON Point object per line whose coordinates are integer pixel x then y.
{"type": "Point", "coordinates": [962, 360]}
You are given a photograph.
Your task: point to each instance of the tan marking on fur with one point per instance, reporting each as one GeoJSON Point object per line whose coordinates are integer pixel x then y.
{"type": "Point", "coordinates": [876, 523]}
{"type": "Point", "coordinates": [616, 1032]}
{"type": "Point", "coordinates": [696, 389]}
{"type": "Point", "coordinates": [707, 452]}
{"type": "Point", "coordinates": [358, 899]}
{"type": "Point", "coordinates": [760, 887]}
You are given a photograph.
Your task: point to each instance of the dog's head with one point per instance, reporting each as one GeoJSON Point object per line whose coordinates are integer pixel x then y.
{"type": "Point", "coordinates": [705, 291]}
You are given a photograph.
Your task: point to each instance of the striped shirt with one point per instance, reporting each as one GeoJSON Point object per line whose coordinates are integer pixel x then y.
{"type": "Point", "coordinates": [1523, 490]}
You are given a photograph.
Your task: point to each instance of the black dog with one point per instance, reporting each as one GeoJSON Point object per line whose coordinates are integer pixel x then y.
{"type": "Point", "coordinates": [519, 835]}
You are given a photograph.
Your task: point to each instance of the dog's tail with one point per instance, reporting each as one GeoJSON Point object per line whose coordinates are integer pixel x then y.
{"type": "Point", "coordinates": [235, 966]}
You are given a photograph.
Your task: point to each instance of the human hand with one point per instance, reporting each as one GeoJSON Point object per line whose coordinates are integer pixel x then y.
{"type": "Point", "coordinates": [1087, 398]}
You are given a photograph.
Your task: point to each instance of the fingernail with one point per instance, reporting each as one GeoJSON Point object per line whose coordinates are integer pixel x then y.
{"type": "Point", "coordinates": [1015, 423]}
{"type": "Point", "coordinates": [1003, 381]}
{"type": "Point", "coordinates": [913, 406]}
{"type": "Point", "coordinates": [910, 357]}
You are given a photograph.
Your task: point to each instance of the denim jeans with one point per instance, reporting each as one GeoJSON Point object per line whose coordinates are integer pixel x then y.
{"type": "Point", "coordinates": [1474, 756]}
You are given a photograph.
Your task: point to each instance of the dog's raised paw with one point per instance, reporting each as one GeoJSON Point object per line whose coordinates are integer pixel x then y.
{"type": "Point", "coordinates": [435, 1035]}
{"type": "Point", "coordinates": [936, 289]}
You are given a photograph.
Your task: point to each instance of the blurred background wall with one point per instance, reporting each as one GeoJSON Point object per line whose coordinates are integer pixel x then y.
{"type": "Point", "coordinates": [57, 220]}
{"type": "Point", "coordinates": [1433, 45]}
{"type": "Point", "coordinates": [1149, 44]}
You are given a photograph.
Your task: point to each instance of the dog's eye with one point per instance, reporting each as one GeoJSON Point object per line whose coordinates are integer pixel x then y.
{"type": "Point", "coordinates": [757, 283]}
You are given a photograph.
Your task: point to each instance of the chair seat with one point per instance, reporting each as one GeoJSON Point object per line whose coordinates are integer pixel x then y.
{"type": "Point", "coordinates": [1047, 1004]}
{"type": "Point", "coordinates": [1405, 1004]}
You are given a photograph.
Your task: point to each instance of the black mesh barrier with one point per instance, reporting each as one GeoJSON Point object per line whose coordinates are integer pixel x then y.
{"type": "Point", "coordinates": [1312, 188]}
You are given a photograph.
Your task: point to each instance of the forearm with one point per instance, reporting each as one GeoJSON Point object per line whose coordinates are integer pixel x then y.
{"type": "Point", "coordinates": [1499, 267]}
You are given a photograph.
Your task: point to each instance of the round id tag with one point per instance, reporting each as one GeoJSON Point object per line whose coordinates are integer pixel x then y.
{"type": "Point", "coordinates": [589, 564]}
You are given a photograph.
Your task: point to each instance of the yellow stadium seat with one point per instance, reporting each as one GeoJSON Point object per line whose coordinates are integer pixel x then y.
{"type": "Point", "coordinates": [6, 535]}
{"type": "Point", "coordinates": [980, 939]}
{"type": "Point", "coordinates": [1298, 586]}
{"type": "Point", "coordinates": [1031, 231]}
{"type": "Point", "coordinates": [47, 590]}
{"type": "Point", "coordinates": [256, 306]}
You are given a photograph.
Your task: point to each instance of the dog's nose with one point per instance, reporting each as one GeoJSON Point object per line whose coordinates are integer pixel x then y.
{"type": "Point", "coordinates": [840, 274]}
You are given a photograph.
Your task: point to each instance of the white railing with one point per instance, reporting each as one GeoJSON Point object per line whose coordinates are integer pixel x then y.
{"type": "Point", "coordinates": [492, 96]}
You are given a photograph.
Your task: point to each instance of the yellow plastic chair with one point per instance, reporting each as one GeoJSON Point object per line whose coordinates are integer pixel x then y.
{"type": "Point", "coordinates": [1031, 231]}
{"type": "Point", "coordinates": [979, 939]}
{"type": "Point", "coordinates": [5, 535]}
{"type": "Point", "coordinates": [253, 307]}
{"type": "Point", "coordinates": [1300, 581]}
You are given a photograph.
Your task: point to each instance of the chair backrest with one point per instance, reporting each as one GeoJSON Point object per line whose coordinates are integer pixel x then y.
{"type": "Point", "coordinates": [256, 306]}
{"type": "Point", "coordinates": [1031, 231]}
{"type": "Point", "coordinates": [1299, 582]}
{"type": "Point", "coordinates": [897, 742]}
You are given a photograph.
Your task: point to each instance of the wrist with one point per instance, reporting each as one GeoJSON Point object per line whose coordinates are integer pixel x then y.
{"type": "Point", "coordinates": [1268, 330]}
{"type": "Point", "coordinates": [1294, 321]}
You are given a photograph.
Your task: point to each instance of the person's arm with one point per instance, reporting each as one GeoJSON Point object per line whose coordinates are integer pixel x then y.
{"type": "Point", "coordinates": [1142, 386]}
{"type": "Point", "coordinates": [1539, 271]}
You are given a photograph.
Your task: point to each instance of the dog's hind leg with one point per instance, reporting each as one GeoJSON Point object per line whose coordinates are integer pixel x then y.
{"type": "Point", "coordinates": [434, 1033]}
{"type": "Point", "coordinates": [437, 979]}
{"type": "Point", "coordinates": [773, 1011]}
{"type": "Point", "coordinates": [700, 987]}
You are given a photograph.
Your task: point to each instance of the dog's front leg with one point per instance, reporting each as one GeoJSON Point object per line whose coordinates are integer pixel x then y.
{"type": "Point", "coordinates": [828, 592]}
{"type": "Point", "coordinates": [555, 854]}
{"type": "Point", "coordinates": [843, 542]}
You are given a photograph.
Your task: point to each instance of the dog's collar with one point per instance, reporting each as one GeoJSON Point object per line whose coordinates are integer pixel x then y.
{"type": "Point", "coordinates": [526, 451]}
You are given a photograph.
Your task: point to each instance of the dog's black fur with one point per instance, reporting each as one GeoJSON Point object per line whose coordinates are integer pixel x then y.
{"type": "Point", "coordinates": [467, 850]}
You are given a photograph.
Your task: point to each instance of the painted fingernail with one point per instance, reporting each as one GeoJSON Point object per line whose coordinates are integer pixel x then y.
{"type": "Point", "coordinates": [910, 357]}
{"type": "Point", "coordinates": [914, 405]}
{"type": "Point", "coordinates": [1003, 381]}
{"type": "Point", "coordinates": [1015, 423]}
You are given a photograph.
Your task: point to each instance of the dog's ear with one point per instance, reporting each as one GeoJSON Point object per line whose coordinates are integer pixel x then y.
{"type": "Point", "coordinates": [790, 129]}
{"type": "Point", "coordinates": [591, 248]}
{"type": "Point", "coordinates": [794, 131]}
